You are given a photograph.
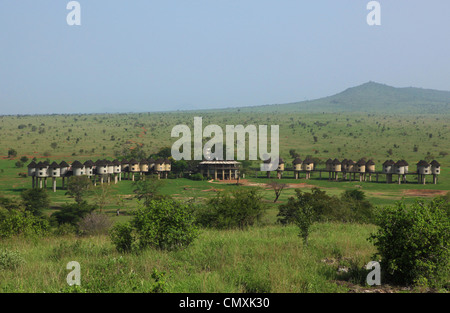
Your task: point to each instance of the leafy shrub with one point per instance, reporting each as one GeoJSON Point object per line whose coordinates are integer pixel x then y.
{"type": "Point", "coordinates": [196, 176]}
{"type": "Point", "coordinates": [236, 209]}
{"type": "Point", "coordinates": [65, 229]}
{"type": "Point", "coordinates": [122, 237]}
{"type": "Point", "coordinates": [350, 207]}
{"type": "Point", "coordinates": [10, 259]}
{"type": "Point", "coordinates": [35, 200]}
{"type": "Point", "coordinates": [413, 242]}
{"type": "Point", "coordinates": [73, 213]}
{"type": "Point", "coordinates": [165, 224]}
{"type": "Point", "coordinates": [22, 223]}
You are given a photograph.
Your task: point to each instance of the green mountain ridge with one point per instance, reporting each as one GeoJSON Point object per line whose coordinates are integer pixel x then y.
{"type": "Point", "coordinates": [370, 97]}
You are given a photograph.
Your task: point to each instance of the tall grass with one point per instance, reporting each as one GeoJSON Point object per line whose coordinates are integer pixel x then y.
{"type": "Point", "coordinates": [260, 259]}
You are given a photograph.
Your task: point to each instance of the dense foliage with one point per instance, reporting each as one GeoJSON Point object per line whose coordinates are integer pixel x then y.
{"type": "Point", "coordinates": [413, 242]}
{"type": "Point", "coordinates": [235, 209]}
{"type": "Point", "coordinates": [164, 224]}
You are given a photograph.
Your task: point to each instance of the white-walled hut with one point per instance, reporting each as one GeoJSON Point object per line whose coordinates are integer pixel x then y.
{"type": "Point", "coordinates": [41, 170]}
{"type": "Point", "coordinates": [168, 164]}
{"type": "Point", "coordinates": [297, 164]}
{"type": "Point", "coordinates": [336, 167]}
{"type": "Point", "coordinates": [160, 167]}
{"type": "Point", "coordinates": [117, 166]}
{"type": "Point", "coordinates": [351, 166]}
{"type": "Point", "coordinates": [435, 170]}
{"type": "Point", "coordinates": [308, 166]}
{"type": "Point", "coordinates": [400, 170]}
{"type": "Point", "coordinates": [151, 164]}
{"type": "Point", "coordinates": [329, 165]}
{"type": "Point", "coordinates": [143, 165]}
{"type": "Point", "coordinates": [77, 168]}
{"type": "Point", "coordinates": [280, 168]}
{"type": "Point", "coordinates": [110, 166]}
{"type": "Point", "coordinates": [54, 171]}
{"type": "Point", "coordinates": [42, 173]}
{"type": "Point", "coordinates": [89, 168]}
{"type": "Point", "coordinates": [134, 168]}
{"type": "Point", "coordinates": [389, 169]}
{"type": "Point", "coordinates": [64, 168]}
{"type": "Point", "coordinates": [344, 168]}
{"type": "Point", "coordinates": [370, 168]}
{"type": "Point", "coordinates": [31, 168]}
{"type": "Point", "coordinates": [406, 166]}
{"type": "Point", "coordinates": [32, 172]}
{"type": "Point", "coordinates": [101, 170]}
{"type": "Point", "coordinates": [435, 167]}
{"type": "Point", "coordinates": [423, 169]}
{"type": "Point", "coordinates": [360, 166]}
{"type": "Point", "coordinates": [400, 167]}
{"type": "Point", "coordinates": [125, 164]}
{"type": "Point", "coordinates": [101, 167]}
{"type": "Point", "coordinates": [117, 170]}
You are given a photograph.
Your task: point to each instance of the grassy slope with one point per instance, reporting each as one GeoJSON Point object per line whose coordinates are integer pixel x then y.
{"type": "Point", "coordinates": [265, 259]}
{"type": "Point", "coordinates": [220, 261]}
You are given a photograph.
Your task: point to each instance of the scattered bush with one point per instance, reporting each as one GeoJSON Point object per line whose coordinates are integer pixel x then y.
{"type": "Point", "coordinates": [350, 207]}
{"type": "Point", "coordinates": [35, 200]}
{"type": "Point", "coordinates": [17, 222]}
{"type": "Point", "coordinates": [413, 243]}
{"type": "Point", "coordinates": [122, 237]}
{"type": "Point", "coordinates": [73, 213]}
{"type": "Point", "coordinates": [10, 259]}
{"type": "Point", "coordinates": [196, 176]}
{"type": "Point", "coordinates": [164, 224]}
{"type": "Point", "coordinates": [236, 209]}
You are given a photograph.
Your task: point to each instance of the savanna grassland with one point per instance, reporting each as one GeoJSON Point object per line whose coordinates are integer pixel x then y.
{"type": "Point", "coordinates": [267, 257]}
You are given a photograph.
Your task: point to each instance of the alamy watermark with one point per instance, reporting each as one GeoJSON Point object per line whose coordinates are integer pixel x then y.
{"type": "Point", "coordinates": [74, 16]}
{"type": "Point", "coordinates": [213, 149]}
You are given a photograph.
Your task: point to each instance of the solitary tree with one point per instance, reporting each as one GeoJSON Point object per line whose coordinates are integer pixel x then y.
{"type": "Point", "coordinates": [147, 190]}
{"type": "Point", "coordinates": [35, 200]}
{"type": "Point", "coordinates": [277, 188]}
{"type": "Point", "coordinates": [77, 187]}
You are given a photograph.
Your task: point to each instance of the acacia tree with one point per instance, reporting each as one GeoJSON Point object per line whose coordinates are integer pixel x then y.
{"type": "Point", "coordinates": [277, 188]}
{"type": "Point", "coordinates": [77, 187]}
{"type": "Point", "coordinates": [35, 200]}
{"type": "Point", "coordinates": [147, 190]}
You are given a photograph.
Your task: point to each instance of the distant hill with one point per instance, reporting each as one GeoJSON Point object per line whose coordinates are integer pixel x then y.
{"type": "Point", "coordinates": [370, 97]}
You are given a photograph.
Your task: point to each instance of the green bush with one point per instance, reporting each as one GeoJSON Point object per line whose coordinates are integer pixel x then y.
{"type": "Point", "coordinates": [22, 223]}
{"type": "Point", "coordinates": [10, 259]}
{"type": "Point", "coordinates": [196, 176]}
{"type": "Point", "coordinates": [413, 242]}
{"type": "Point", "coordinates": [73, 213]}
{"type": "Point", "coordinates": [163, 224]}
{"type": "Point", "coordinates": [236, 209]}
{"type": "Point", "coordinates": [350, 207]}
{"type": "Point", "coordinates": [122, 237]}
{"type": "Point", "coordinates": [35, 200]}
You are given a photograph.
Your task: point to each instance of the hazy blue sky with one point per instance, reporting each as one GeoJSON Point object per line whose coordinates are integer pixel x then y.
{"type": "Point", "coordinates": [144, 55]}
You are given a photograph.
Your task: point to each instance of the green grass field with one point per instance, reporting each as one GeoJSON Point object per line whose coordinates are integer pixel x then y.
{"type": "Point", "coordinates": [268, 258]}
